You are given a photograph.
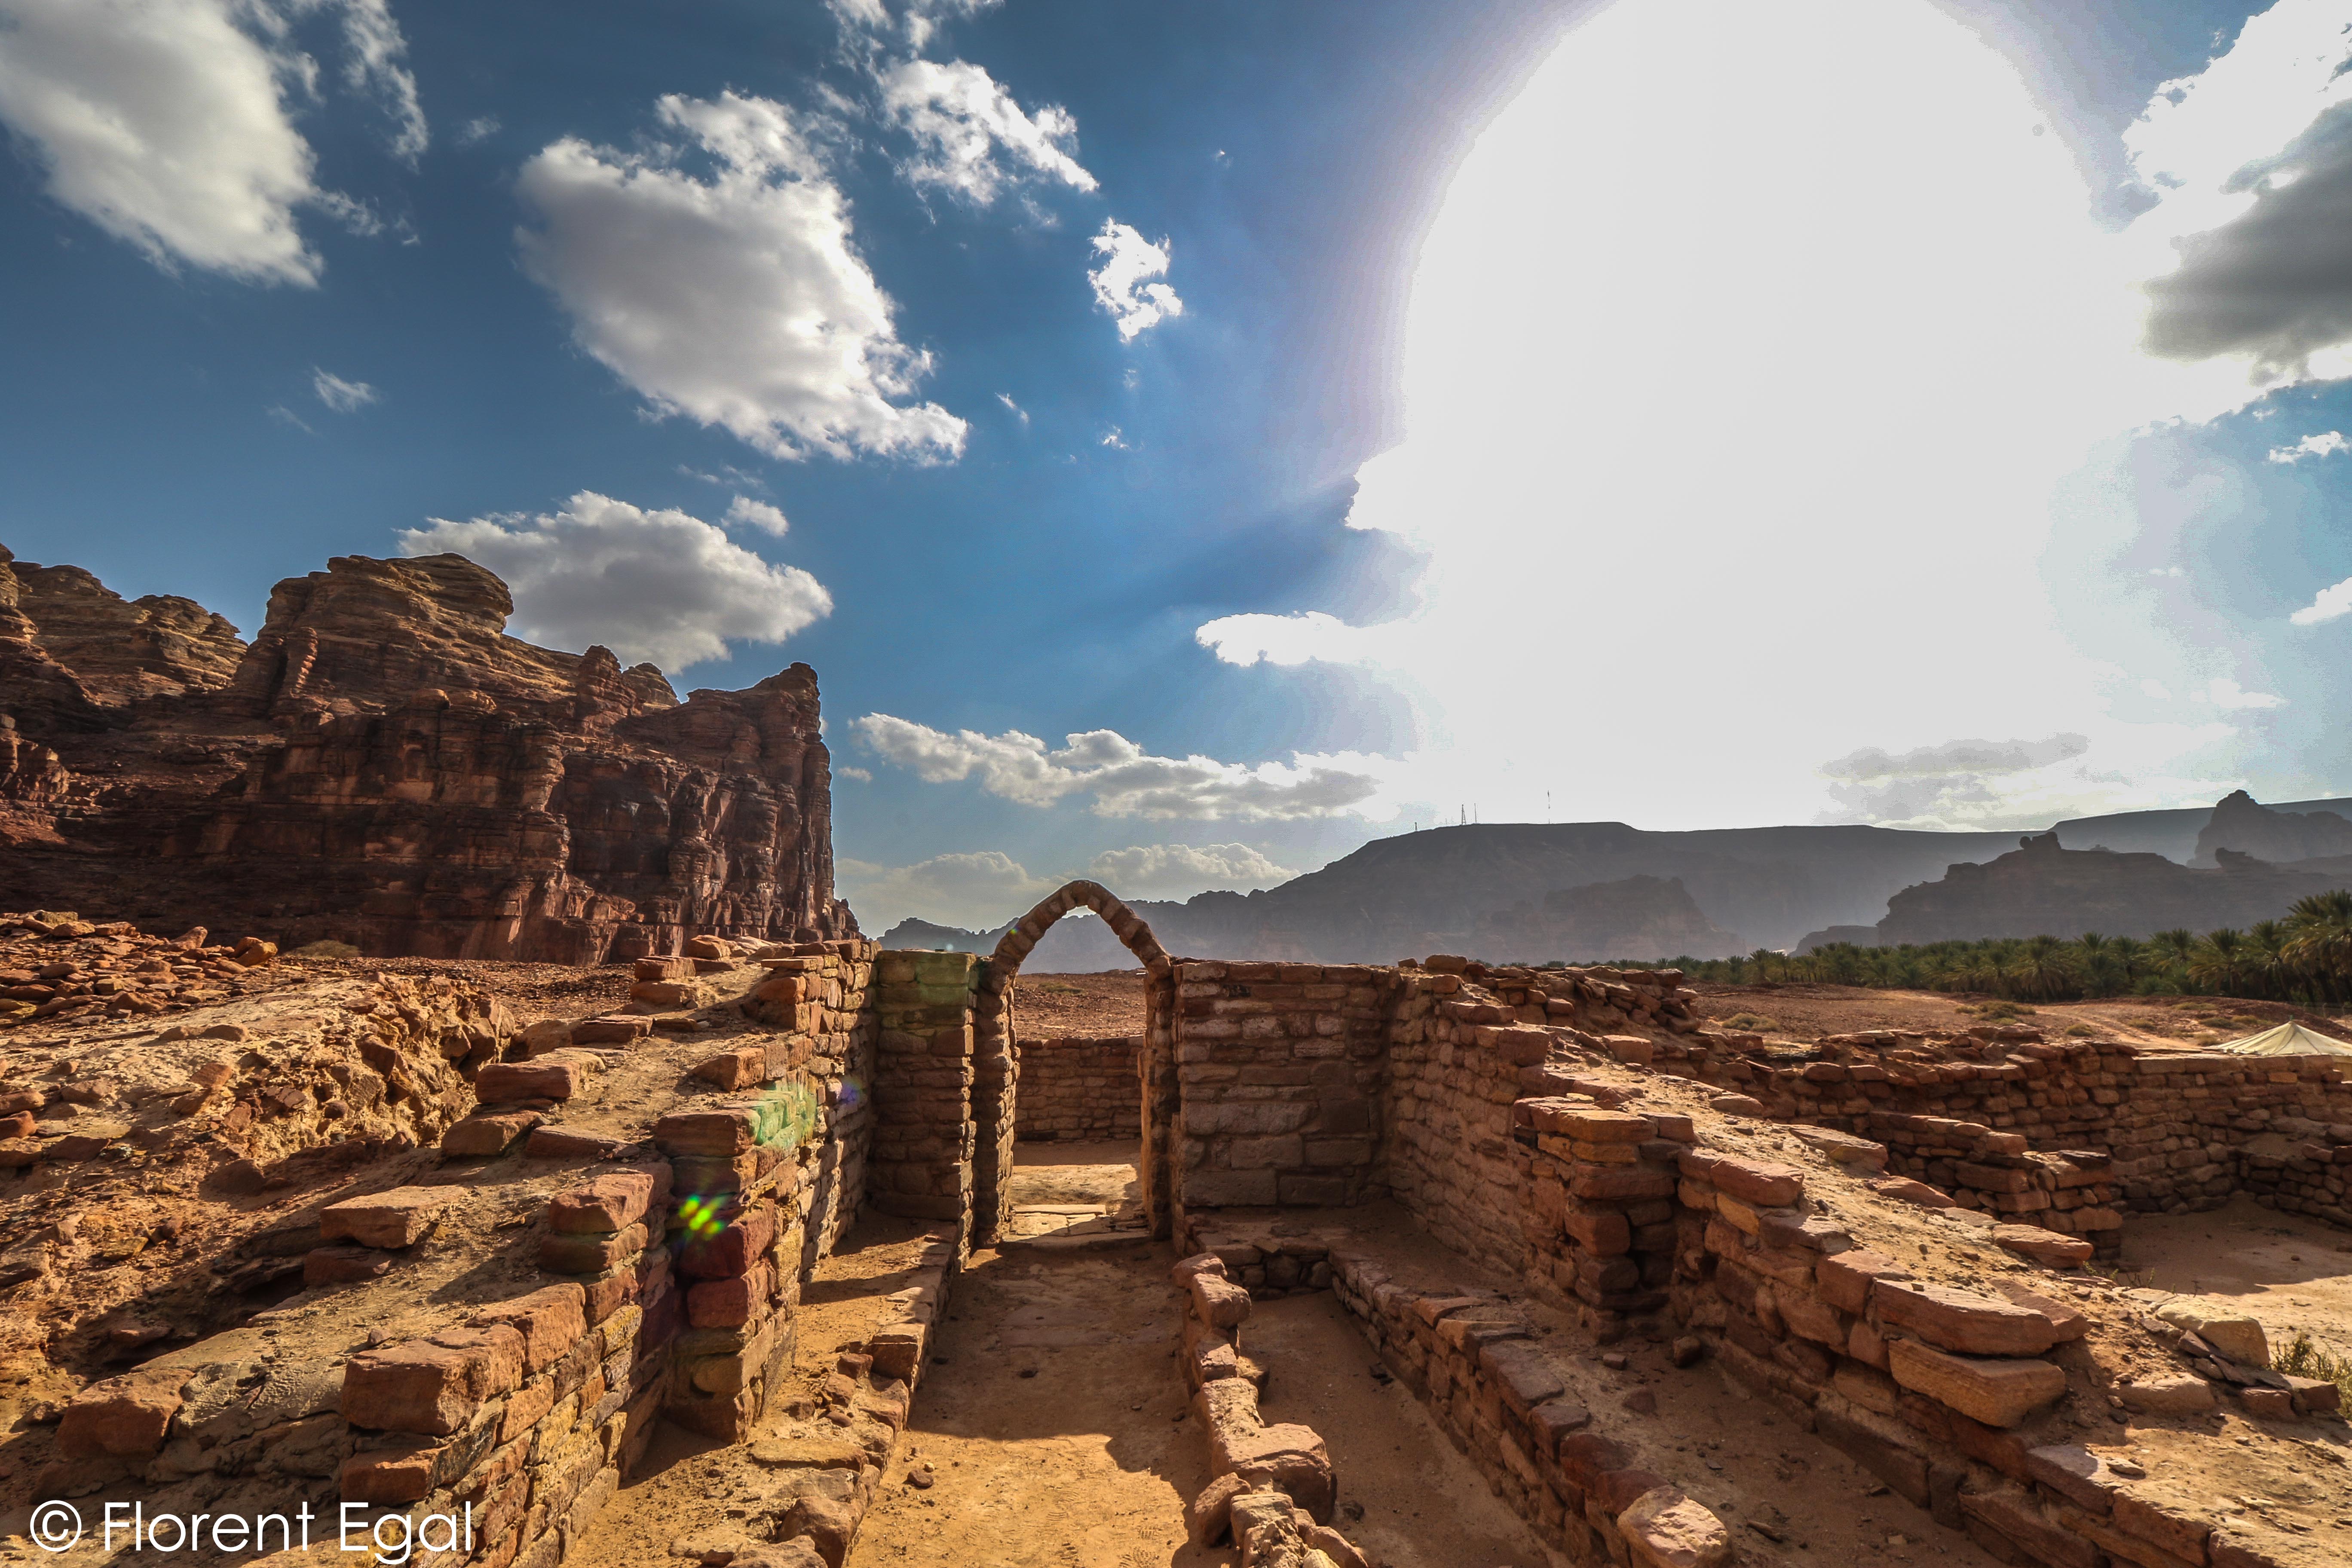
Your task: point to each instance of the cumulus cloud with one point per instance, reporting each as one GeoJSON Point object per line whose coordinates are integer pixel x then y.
{"type": "Point", "coordinates": [714, 272]}
{"type": "Point", "coordinates": [1180, 870]}
{"type": "Point", "coordinates": [978, 890]}
{"type": "Point", "coordinates": [1119, 777]}
{"type": "Point", "coordinates": [1124, 283]}
{"type": "Point", "coordinates": [2324, 444]}
{"type": "Point", "coordinates": [167, 123]}
{"type": "Point", "coordinates": [2252, 160]}
{"type": "Point", "coordinates": [758, 514]}
{"type": "Point", "coordinates": [970, 138]}
{"type": "Point", "coordinates": [343, 396]}
{"type": "Point", "coordinates": [1253, 639]}
{"type": "Point", "coordinates": [2230, 697]}
{"type": "Point", "coordinates": [659, 586]}
{"type": "Point", "coordinates": [2331, 602]}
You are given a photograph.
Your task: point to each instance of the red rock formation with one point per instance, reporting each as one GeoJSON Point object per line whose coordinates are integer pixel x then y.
{"type": "Point", "coordinates": [385, 766]}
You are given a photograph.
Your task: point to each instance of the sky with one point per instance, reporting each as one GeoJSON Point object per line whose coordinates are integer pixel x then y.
{"type": "Point", "coordinates": [1190, 442]}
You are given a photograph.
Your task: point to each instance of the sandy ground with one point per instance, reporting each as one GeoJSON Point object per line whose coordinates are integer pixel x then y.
{"type": "Point", "coordinates": [1054, 1422]}
{"type": "Point", "coordinates": [1096, 1006]}
{"type": "Point", "coordinates": [1409, 1498]}
{"type": "Point", "coordinates": [2284, 1271]}
{"type": "Point", "coordinates": [1809, 1012]}
{"type": "Point", "coordinates": [1073, 1174]}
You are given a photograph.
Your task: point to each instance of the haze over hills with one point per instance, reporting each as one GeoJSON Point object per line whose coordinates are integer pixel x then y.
{"type": "Point", "coordinates": [1583, 891]}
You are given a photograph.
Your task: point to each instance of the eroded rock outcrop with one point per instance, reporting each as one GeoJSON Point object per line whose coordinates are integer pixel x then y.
{"type": "Point", "coordinates": [385, 766]}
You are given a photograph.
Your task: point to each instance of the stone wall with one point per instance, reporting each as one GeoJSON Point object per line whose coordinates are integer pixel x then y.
{"type": "Point", "coordinates": [924, 1134]}
{"type": "Point", "coordinates": [1078, 1090]}
{"type": "Point", "coordinates": [1280, 1068]}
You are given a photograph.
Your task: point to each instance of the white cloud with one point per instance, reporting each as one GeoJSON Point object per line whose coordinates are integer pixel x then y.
{"type": "Point", "coordinates": [758, 514]}
{"type": "Point", "coordinates": [340, 395]}
{"type": "Point", "coordinates": [375, 66]}
{"type": "Point", "coordinates": [978, 891]}
{"type": "Point", "coordinates": [1114, 437]}
{"type": "Point", "coordinates": [1123, 283]}
{"type": "Point", "coordinates": [1180, 870]}
{"type": "Point", "coordinates": [2319, 445]}
{"type": "Point", "coordinates": [1289, 639]}
{"type": "Point", "coordinates": [2332, 603]}
{"type": "Point", "coordinates": [971, 137]}
{"type": "Point", "coordinates": [1571, 290]}
{"type": "Point", "coordinates": [167, 124]}
{"type": "Point", "coordinates": [2230, 697]}
{"type": "Point", "coordinates": [2158, 689]}
{"type": "Point", "coordinates": [480, 129]}
{"type": "Point", "coordinates": [286, 415]}
{"type": "Point", "coordinates": [735, 298]}
{"type": "Point", "coordinates": [650, 585]}
{"type": "Point", "coordinates": [863, 775]}
{"type": "Point", "coordinates": [1119, 777]}
{"type": "Point", "coordinates": [1017, 411]}
{"type": "Point", "coordinates": [916, 21]}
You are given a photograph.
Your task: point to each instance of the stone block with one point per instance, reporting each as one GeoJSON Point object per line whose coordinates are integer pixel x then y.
{"type": "Point", "coordinates": [2231, 1332]}
{"type": "Point", "coordinates": [1286, 1152]}
{"type": "Point", "coordinates": [122, 1417]}
{"type": "Point", "coordinates": [395, 1219]}
{"type": "Point", "coordinates": [389, 1477]}
{"type": "Point", "coordinates": [1963, 1321]}
{"type": "Point", "coordinates": [540, 1078]}
{"type": "Point", "coordinates": [2167, 1394]}
{"type": "Point", "coordinates": [1999, 1392]}
{"type": "Point", "coordinates": [1847, 1278]}
{"type": "Point", "coordinates": [1664, 1528]}
{"type": "Point", "coordinates": [434, 1385]}
{"type": "Point", "coordinates": [608, 1203]}
{"type": "Point", "coordinates": [484, 1135]}
{"type": "Point", "coordinates": [2042, 1245]}
{"type": "Point", "coordinates": [550, 1321]}
{"type": "Point", "coordinates": [1218, 1302]}
{"type": "Point", "coordinates": [590, 1252]}
{"type": "Point", "coordinates": [343, 1265]}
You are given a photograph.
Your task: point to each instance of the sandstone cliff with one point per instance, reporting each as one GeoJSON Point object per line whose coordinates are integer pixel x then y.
{"type": "Point", "coordinates": [385, 766]}
{"type": "Point", "coordinates": [2242, 823]}
{"type": "Point", "coordinates": [2040, 888]}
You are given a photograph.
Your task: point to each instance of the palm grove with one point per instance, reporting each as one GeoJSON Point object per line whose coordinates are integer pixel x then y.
{"type": "Point", "coordinates": [2305, 957]}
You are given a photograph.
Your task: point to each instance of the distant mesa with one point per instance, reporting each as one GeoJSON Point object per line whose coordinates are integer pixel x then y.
{"type": "Point", "coordinates": [2241, 823]}
{"type": "Point", "coordinates": [383, 765]}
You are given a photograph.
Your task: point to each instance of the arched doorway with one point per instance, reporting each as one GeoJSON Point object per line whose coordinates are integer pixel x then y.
{"type": "Point", "coordinates": [997, 1068]}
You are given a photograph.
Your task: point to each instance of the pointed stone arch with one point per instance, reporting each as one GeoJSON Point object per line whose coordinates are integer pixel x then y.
{"type": "Point", "coordinates": [997, 1068]}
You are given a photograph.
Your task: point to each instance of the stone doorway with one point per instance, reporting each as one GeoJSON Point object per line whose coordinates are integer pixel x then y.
{"type": "Point", "coordinates": [1000, 1186]}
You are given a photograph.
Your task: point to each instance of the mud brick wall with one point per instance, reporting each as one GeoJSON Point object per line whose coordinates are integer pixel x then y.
{"type": "Point", "coordinates": [1473, 1361]}
{"type": "Point", "coordinates": [2181, 1131]}
{"type": "Point", "coordinates": [1077, 1089]}
{"type": "Point", "coordinates": [1457, 1065]}
{"type": "Point", "coordinates": [821, 995]}
{"type": "Point", "coordinates": [924, 1134]}
{"type": "Point", "coordinates": [1280, 1068]}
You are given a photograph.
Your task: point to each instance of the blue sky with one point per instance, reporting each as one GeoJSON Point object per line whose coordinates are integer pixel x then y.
{"type": "Point", "coordinates": [1758, 449]}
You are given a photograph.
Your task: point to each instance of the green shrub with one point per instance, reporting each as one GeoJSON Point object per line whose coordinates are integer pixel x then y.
{"type": "Point", "coordinates": [1751, 1023]}
{"type": "Point", "coordinates": [2304, 1356]}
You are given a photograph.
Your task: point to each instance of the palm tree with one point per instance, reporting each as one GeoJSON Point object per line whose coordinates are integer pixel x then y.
{"type": "Point", "coordinates": [2218, 964]}
{"type": "Point", "coordinates": [2267, 971]}
{"type": "Point", "coordinates": [2130, 955]}
{"type": "Point", "coordinates": [2171, 949]}
{"type": "Point", "coordinates": [2039, 968]}
{"type": "Point", "coordinates": [2320, 943]}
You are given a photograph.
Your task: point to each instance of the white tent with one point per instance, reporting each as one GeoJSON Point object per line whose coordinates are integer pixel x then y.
{"type": "Point", "coordinates": [2289, 1039]}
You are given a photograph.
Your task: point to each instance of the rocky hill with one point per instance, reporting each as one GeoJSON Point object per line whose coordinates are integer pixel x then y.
{"type": "Point", "coordinates": [2241, 823]}
{"type": "Point", "coordinates": [383, 765]}
{"type": "Point", "coordinates": [2041, 888]}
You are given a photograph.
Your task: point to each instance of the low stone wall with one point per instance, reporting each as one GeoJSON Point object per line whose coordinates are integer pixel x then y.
{"type": "Point", "coordinates": [1078, 1090]}
{"type": "Point", "coordinates": [925, 1138]}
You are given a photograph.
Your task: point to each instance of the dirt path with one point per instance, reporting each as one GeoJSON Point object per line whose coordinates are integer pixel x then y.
{"type": "Point", "coordinates": [1054, 1423]}
{"type": "Point", "coordinates": [2284, 1271]}
{"type": "Point", "coordinates": [1409, 1500]}
{"type": "Point", "coordinates": [1073, 1174]}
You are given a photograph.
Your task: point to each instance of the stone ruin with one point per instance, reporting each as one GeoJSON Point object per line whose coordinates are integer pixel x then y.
{"type": "Point", "coordinates": [1511, 1180]}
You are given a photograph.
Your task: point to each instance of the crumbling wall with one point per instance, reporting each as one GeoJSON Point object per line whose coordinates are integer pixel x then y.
{"type": "Point", "coordinates": [924, 1135]}
{"type": "Point", "coordinates": [1077, 1090]}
